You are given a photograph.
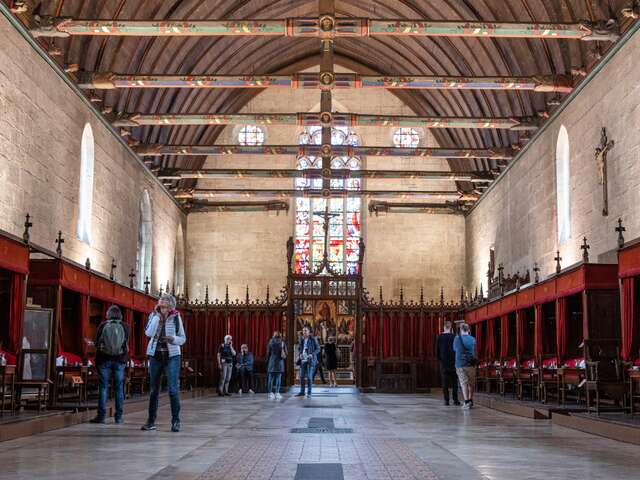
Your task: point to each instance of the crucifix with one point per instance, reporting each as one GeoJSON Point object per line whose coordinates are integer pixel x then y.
{"type": "Point", "coordinates": [601, 158]}
{"type": "Point", "coordinates": [557, 259]}
{"type": "Point", "coordinates": [620, 229]}
{"type": "Point", "coordinates": [536, 272]}
{"type": "Point", "coordinates": [146, 285]}
{"type": "Point", "coordinates": [113, 269]}
{"type": "Point", "coordinates": [27, 226]}
{"type": "Point", "coordinates": [132, 277]}
{"type": "Point", "coordinates": [326, 215]}
{"type": "Point", "coordinates": [59, 242]}
{"type": "Point", "coordinates": [585, 250]}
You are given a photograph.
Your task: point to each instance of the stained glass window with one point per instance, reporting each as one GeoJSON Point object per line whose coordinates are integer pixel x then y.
{"type": "Point", "coordinates": [251, 135]}
{"type": "Point", "coordinates": [406, 137]}
{"type": "Point", "coordinates": [345, 228]}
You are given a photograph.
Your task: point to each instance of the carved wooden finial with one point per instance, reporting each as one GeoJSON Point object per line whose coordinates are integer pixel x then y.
{"type": "Point", "coordinates": [27, 226]}
{"type": "Point", "coordinates": [557, 259]}
{"type": "Point", "coordinates": [421, 295]}
{"type": "Point", "coordinates": [620, 229]}
{"type": "Point", "coordinates": [132, 278]}
{"type": "Point", "coordinates": [536, 272]}
{"type": "Point", "coordinates": [186, 293]}
{"type": "Point", "coordinates": [462, 295]}
{"type": "Point", "coordinates": [167, 289]}
{"type": "Point", "coordinates": [160, 291]}
{"type": "Point", "coordinates": [267, 294]}
{"type": "Point", "coordinates": [481, 293]}
{"type": "Point", "coordinates": [585, 250]}
{"type": "Point", "coordinates": [246, 297]}
{"type": "Point", "coordinates": [401, 294]}
{"type": "Point", "coordinates": [59, 242]}
{"type": "Point", "coordinates": [87, 264]}
{"type": "Point", "coordinates": [113, 269]}
{"type": "Point", "coordinates": [226, 295]}
{"type": "Point", "coordinates": [475, 295]}
{"type": "Point", "coordinates": [146, 285]}
{"type": "Point", "coordinates": [380, 293]}
{"type": "Point", "coordinates": [441, 295]}
{"type": "Point", "coordinates": [206, 295]}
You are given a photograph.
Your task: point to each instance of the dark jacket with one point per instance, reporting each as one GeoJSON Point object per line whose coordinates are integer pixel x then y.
{"type": "Point", "coordinates": [103, 357]}
{"type": "Point", "coordinates": [444, 351]}
{"type": "Point", "coordinates": [245, 360]}
{"type": "Point", "coordinates": [275, 363]}
{"type": "Point", "coordinates": [313, 347]}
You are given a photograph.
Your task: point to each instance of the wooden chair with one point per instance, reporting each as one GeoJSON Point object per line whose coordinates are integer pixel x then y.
{"type": "Point", "coordinates": [631, 371]}
{"type": "Point", "coordinates": [571, 380]}
{"type": "Point", "coordinates": [8, 388]}
{"type": "Point", "coordinates": [34, 387]}
{"type": "Point", "coordinates": [507, 376]}
{"type": "Point", "coordinates": [548, 378]}
{"type": "Point", "coordinates": [482, 371]}
{"type": "Point", "coordinates": [604, 375]}
{"type": "Point", "coordinates": [526, 377]}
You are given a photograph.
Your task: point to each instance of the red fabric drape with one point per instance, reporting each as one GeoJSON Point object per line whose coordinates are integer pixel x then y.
{"type": "Point", "coordinates": [128, 320]}
{"type": "Point", "coordinates": [538, 347]}
{"type": "Point", "coordinates": [16, 311]}
{"type": "Point", "coordinates": [84, 322]}
{"type": "Point", "coordinates": [386, 335]}
{"type": "Point", "coordinates": [521, 323]}
{"type": "Point", "coordinates": [629, 320]}
{"type": "Point", "coordinates": [504, 336]}
{"type": "Point", "coordinates": [480, 340]}
{"type": "Point", "coordinates": [371, 334]}
{"type": "Point", "coordinates": [490, 350]}
{"type": "Point", "coordinates": [561, 328]}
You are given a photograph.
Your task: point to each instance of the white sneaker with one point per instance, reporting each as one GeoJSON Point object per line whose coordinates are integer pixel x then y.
{"type": "Point", "coordinates": [240, 392]}
{"type": "Point", "coordinates": [251, 391]}
{"type": "Point", "coordinates": [308, 395]}
{"type": "Point", "coordinates": [271, 396]}
{"type": "Point", "coordinates": [466, 406]}
{"type": "Point", "coordinates": [277, 396]}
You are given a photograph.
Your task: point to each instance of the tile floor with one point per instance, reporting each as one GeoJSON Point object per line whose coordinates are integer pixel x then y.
{"type": "Point", "coordinates": [394, 437]}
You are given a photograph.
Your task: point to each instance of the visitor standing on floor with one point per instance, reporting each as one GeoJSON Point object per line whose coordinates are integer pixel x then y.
{"type": "Point", "coordinates": [225, 365]}
{"type": "Point", "coordinates": [166, 333]}
{"type": "Point", "coordinates": [447, 361]}
{"type": "Point", "coordinates": [308, 348]}
{"type": "Point", "coordinates": [319, 362]}
{"type": "Point", "coordinates": [112, 354]}
{"type": "Point", "coordinates": [331, 355]}
{"type": "Point", "coordinates": [465, 347]}
{"type": "Point", "coordinates": [276, 354]}
{"type": "Point", "coordinates": [244, 365]}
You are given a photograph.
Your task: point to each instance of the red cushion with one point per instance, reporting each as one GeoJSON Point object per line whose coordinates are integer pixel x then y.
{"type": "Point", "coordinates": [71, 358]}
{"type": "Point", "coordinates": [636, 363]}
{"type": "Point", "coordinates": [9, 357]}
{"type": "Point", "coordinates": [575, 363]}
{"type": "Point", "coordinates": [550, 363]}
{"type": "Point", "coordinates": [531, 363]}
{"type": "Point", "coordinates": [511, 363]}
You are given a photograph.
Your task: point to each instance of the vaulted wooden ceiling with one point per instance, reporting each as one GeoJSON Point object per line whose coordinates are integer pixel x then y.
{"type": "Point", "coordinates": [379, 55]}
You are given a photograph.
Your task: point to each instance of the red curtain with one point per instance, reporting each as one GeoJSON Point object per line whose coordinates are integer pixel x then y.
{"type": "Point", "coordinates": [521, 323]}
{"type": "Point", "coordinates": [629, 320]}
{"type": "Point", "coordinates": [16, 311]}
{"type": "Point", "coordinates": [538, 348]}
{"type": "Point", "coordinates": [386, 335]}
{"type": "Point", "coordinates": [370, 347]}
{"type": "Point", "coordinates": [561, 328]}
{"type": "Point", "coordinates": [504, 336]}
{"type": "Point", "coordinates": [480, 340]}
{"type": "Point", "coordinates": [84, 322]}
{"type": "Point", "coordinates": [491, 339]}
{"type": "Point", "coordinates": [128, 320]}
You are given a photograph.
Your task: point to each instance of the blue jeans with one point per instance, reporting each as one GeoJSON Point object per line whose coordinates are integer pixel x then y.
{"type": "Point", "coordinates": [306, 373]}
{"type": "Point", "coordinates": [271, 378]}
{"type": "Point", "coordinates": [172, 369]}
{"type": "Point", "coordinates": [105, 369]}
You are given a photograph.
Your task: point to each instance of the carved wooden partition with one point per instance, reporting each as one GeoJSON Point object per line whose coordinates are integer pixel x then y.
{"type": "Point", "coordinates": [250, 322]}
{"type": "Point", "coordinates": [397, 344]}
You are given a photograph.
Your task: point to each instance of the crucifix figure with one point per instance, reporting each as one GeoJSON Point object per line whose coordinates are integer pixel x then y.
{"type": "Point", "coordinates": [601, 158]}
{"type": "Point", "coordinates": [27, 225]}
{"type": "Point", "coordinates": [113, 269]}
{"type": "Point", "coordinates": [620, 228]}
{"type": "Point", "coordinates": [558, 258]}
{"type": "Point", "coordinates": [326, 215]}
{"type": "Point", "coordinates": [132, 277]}
{"type": "Point", "coordinates": [59, 242]}
{"type": "Point", "coordinates": [146, 285]}
{"type": "Point", "coordinates": [585, 250]}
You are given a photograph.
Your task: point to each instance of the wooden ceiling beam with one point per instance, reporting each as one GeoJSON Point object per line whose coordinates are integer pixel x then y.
{"type": "Point", "coordinates": [341, 81]}
{"type": "Point", "coordinates": [151, 150]}
{"type": "Point", "coordinates": [327, 119]}
{"type": "Point", "coordinates": [326, 26]}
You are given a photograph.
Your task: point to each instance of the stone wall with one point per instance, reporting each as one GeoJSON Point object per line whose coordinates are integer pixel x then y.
{"type": "Point", "coordinates": [41, 125]}
{"type": "Point", "coordinates": [239, 249]}
{"type": "Point", "coordinates": [518, 216]}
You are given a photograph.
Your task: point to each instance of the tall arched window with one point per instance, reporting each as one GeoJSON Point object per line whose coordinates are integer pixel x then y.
{"type": "Point", "coordinates": [563, 186]}
{"type": "Point", "coordinates": [345, 213]}
{"type": "Point", "coordinates": [145, 240]}
{"type": "Point", "coordinates": [85, 196]}
{"type": "Point", "coordinates": [178, 263]}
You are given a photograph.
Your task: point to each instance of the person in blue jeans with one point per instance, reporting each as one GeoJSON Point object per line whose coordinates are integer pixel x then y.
{"type": "Point", "coordinates": [112, 354]}
{"type": "Point", "coordinates": [308, 349]}
{"type": "Point", "coordinates": [166, 334]}
{"type": "Point", "coordinates": [276, 354]}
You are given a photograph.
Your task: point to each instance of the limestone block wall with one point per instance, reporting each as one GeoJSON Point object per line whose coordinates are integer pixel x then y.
{"type": "Point", "coordinates": [243, 248]}
{"type": "Point", "coordinates": [518, 216]}
{"type": "Point", "coordinates": [41, 124]}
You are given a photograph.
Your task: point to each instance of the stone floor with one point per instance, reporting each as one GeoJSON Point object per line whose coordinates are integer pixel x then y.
{"type": "Point", "coordinates": [392, 437]}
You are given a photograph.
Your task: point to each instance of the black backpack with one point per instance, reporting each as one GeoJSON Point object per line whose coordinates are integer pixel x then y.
{"type": "Point", "coordinates": [112, 338]}
{"type": "Point", "coordinates": [277, 350]}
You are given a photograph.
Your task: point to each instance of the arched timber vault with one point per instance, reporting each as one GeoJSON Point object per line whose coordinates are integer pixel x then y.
{"type": "Point", "coordinates": [389, 55]}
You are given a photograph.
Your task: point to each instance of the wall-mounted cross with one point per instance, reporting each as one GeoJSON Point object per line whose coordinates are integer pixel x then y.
{"type": "Point", "coordinates": [27, 226]}
{"type": "Point", "coordinates": [536, 272]}
{"type": "Point", "coordinates": [132, 278]}
{"type": "Point", "coordinates": [113, 269]}
{"type": "Point", "coordinates": [87, 264]}
{"type": "Point", "coordinates": [146, 285]}
{"type": "Point", "coordinates": [585, 250]}
{"type": "Point", "coordinates": [557, 259]}
{"type": "Point", "coordinates": [59, 242]}
{"type": "Point", "coordinates": [620, 229]}
{"type": "Point", "coordinates": [601, 158]}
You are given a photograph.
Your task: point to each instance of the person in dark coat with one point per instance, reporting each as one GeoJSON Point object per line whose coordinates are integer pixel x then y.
{"type": "Point", "coordinates": [319, 362]}
{"type": "Point", "coordinates": [276, 354]}
{"type": "Point", "coordinates": [331, 355]}
{"type": "Point", "coordinates": [447, 360]}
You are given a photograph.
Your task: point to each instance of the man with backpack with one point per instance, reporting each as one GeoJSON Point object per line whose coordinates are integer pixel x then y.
{"type": "Point", "coordinates": [465, 347]}
{"type": "Point", "coordinates": [447, 361]}
{"type": "Point", "coordinates": [112, 353]}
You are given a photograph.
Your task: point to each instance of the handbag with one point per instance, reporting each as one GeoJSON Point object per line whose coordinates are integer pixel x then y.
{"type": "Point", "coordinates": [473, 361]}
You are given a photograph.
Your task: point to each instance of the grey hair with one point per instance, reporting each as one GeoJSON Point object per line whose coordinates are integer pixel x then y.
{"type": "Point", "coordinates": [464, 328]}
{"type": "Point", "coordinates": [227, 336]}
{"type": "Point", "coordinates": [114, 313]}
{"type": "Point", "coordinates": [168, 298]}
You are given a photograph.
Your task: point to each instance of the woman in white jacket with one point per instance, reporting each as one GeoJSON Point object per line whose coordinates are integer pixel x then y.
{"type": "Point", "coordinates": [166, 333]}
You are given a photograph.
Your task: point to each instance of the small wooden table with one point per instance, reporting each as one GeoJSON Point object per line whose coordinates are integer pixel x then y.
{"type": "Point", "coordinates": [8, 386]}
